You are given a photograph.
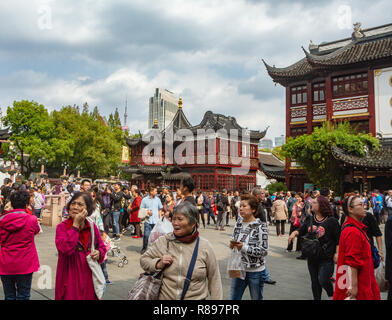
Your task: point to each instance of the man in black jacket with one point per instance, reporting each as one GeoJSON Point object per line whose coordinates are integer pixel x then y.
{"type": "Point", "coordinates": [116, 197]}
{"type": "Point", "coordinates": [222, 203]}
{"type": "Point", "coordinates": [261, 212]}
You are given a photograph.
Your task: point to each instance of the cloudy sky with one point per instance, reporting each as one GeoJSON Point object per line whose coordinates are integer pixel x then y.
{"type": "Point", "coordinates": [209, 52]}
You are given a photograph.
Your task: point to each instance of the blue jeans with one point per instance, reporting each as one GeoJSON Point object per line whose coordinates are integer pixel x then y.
{"type": "Point", "coordinates": [116, 227]}
{"type": "Point", "coordinates": [104, 270]}
{"type": "Point", "coordinates": [255, 281]}
{"type": "Point", "coordinates": [266, 275]}
{"type": "Point", "coordinates": [17, 287]}
{"type": "Point", "coordinates": [147, 230]}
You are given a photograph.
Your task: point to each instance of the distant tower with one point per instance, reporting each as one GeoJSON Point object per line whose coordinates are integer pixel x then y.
{"type": "Point", "coordinates": [125, 127]}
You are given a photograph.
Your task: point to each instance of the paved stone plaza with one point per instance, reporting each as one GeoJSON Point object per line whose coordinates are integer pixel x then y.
{"type": "Point", "coordinates": [292, 276]}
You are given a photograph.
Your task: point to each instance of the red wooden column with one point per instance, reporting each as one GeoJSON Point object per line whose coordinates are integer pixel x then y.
{"type": "Point", "coordinates": [288, 118]}
{"type": "Point", "coordinates": [309, 109]}
{"type": "Point", "coordinates": [328, 97]}
{"type": "Point", "coordinates": [371, 103]}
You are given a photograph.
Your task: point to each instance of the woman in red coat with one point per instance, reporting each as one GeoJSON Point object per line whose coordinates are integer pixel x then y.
{"type": "Point", "coordinates": [134, 218]}
{"type": "Point", "coordinates": [355, 271]}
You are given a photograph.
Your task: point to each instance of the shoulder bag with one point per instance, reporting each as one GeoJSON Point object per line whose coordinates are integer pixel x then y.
{"type": "Point", "coordinates": [310, 245]}
{"type": "Point", "coordinates": [190, 269]}
{"type": "Point", "coordinates": [96, 270]}
{"type": "Point", "coordinates": [375, 255]}
{"type": "Point", "coordinates": [148, 286]}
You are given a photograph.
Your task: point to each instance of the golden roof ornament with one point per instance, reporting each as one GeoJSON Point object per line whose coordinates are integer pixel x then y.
{"type": "Point", "coordinates": [180, 103]}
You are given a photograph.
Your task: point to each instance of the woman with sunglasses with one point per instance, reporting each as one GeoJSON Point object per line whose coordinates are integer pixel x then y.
{"type": "Point", "coordinates": [355, 278]}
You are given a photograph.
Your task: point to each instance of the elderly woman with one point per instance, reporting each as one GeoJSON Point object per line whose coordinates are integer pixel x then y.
{"type": "Point", "coordinates": [250, 237]}
{"type": "Point", "coordinates": [73, 242]}
{"type": "Point", "coordinates": [173, 252]}
{"type": "Point", "coordinates": [355, 269]}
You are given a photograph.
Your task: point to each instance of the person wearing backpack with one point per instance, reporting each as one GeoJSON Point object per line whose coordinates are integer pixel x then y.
{"type": "Point", "coordinates": [320, 234]}
{"type": "Point", "coordinates": [355, 279]}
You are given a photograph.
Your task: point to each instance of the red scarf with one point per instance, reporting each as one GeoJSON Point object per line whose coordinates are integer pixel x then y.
{"type": "Point", "coordinates": [84, 234]}
{"type": "Point", "coordinates": [188, 238]}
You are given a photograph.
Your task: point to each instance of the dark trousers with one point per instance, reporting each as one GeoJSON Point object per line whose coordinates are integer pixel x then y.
{"type": "Point", "coordinates": [138, 230]}
{"type": "Point", "coordinates": [38, 213]}
{"type": "Point", "coordinates": [106, 218]}
{"type": "Point", "coordinates": [269, 215]}
{"type": "Point", "coordinates": [227, 218]}
{"type": "Point", "coordinates": [290, 246]}
{"type": "Point", "coordinates": [201, 215]}
{"type": "Point", "coordinates": [104, 270]}
{"type": "Point", "coordinates": [390, 293]}
{"type": "Point", "coordinates": [17, 287]}
{"type": "Point", "coordinates": [211, 214]}
{"type": "Point", "coordinates": [377, 215]}
{"type": "Point", "coordinates": [320, 276]}
{"type": "Point", "coordinates": [124, 220]}
{"type": "Point", "coordinates": [280, 227]}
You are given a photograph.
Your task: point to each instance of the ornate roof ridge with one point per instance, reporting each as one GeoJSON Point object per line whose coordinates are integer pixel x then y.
{"type": "Point", "coordinates": [278, 71]}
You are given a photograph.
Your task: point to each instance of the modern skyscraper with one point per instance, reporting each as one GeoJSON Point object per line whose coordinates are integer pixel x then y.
{"type": "Point", "coordinates": [162, 107]}
{"type": "Point", "coordinates": [279, 141]}
{"type": "Point", "coordinates": [266, 144]}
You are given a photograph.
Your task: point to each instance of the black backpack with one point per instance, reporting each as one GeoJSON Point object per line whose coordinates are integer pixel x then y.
{"type": "Point", "coordinates": [310, 245]}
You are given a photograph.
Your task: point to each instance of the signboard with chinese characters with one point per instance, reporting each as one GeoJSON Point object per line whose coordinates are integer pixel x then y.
{"type": "Point", "coordinates": [383, 101]}
{"type": "Point", "coordinates": [125, 155]}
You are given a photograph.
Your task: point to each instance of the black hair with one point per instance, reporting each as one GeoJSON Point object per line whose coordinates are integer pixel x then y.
{"type": "Point", "coordinates": [84, 180]}
{"type": "Point", "coordinates": [189, 183]}
{"type": "Point", "coordinates": [20, 199]}
{"type": "Point", "coordinates": [87, 199]}
{"type": "Point", "coordinates": [324, 192]}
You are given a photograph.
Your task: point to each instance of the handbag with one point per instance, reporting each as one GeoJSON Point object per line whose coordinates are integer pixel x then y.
{"type": "Point", "coordinates": [190, 269]}
{"type": "Point", "coordinates": [148, 285]}
{"type": "Point", "coordinates": [310, 245]}
{"type": "Point", "coordinates": [375, 255]}
{"type": "Point", "coordinates": [96, 270]}
{"type": "Point", "coordinates": [142, 215]}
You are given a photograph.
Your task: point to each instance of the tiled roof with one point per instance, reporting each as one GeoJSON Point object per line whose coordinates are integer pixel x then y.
{"type": "Point", "coordinates": [270, 159]}
{"type": "Point", "coordinates": [355, 52]}
{"type": "Point", "coordinates": [277, 173]}
{"type": "Point", "coordinates": [374, 45]}
{"type": "Point", "coordinates": [375, 159]}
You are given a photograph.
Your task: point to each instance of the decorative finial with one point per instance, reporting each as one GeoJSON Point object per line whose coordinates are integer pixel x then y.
{"type": "Point", "coordinates": [357, 31]}
{"type": "Point", "coordinates": [180, 103]}
{"type": "Point", "coordinates": [312, 46]}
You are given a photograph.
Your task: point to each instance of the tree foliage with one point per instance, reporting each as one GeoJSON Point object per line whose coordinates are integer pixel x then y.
{"type": "Point", "coordinates": [276, 187]}
{"type": "Point", "coordinates": [82, 140]}
{"type": "Point", "coordinates": [313, 151]}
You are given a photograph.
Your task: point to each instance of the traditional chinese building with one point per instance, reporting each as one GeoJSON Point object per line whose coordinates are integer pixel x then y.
{"type": "Point", "coordinates": [348, 79]}
{"type": "Point", "coordinates": [211, 169]}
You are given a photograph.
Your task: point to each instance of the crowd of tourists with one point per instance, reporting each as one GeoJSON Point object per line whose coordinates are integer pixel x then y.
{"type": "Point", "coordinates": [332, 233]}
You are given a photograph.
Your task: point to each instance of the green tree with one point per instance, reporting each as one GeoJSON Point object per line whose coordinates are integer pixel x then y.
{"type": "Point", "coordinates": [34, 140]}
{"type": "Point", "coordinates": [276, 187]}
{"type": "Point", "coordinates": [277, 152]}
{"type": "Point", "coordinates": [313, 151]}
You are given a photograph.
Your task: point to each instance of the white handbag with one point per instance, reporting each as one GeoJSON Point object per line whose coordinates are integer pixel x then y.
{"type": "Point", "coordinates": [96, 270]}
{"type": "Point", "coordinates": [142, 215]}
